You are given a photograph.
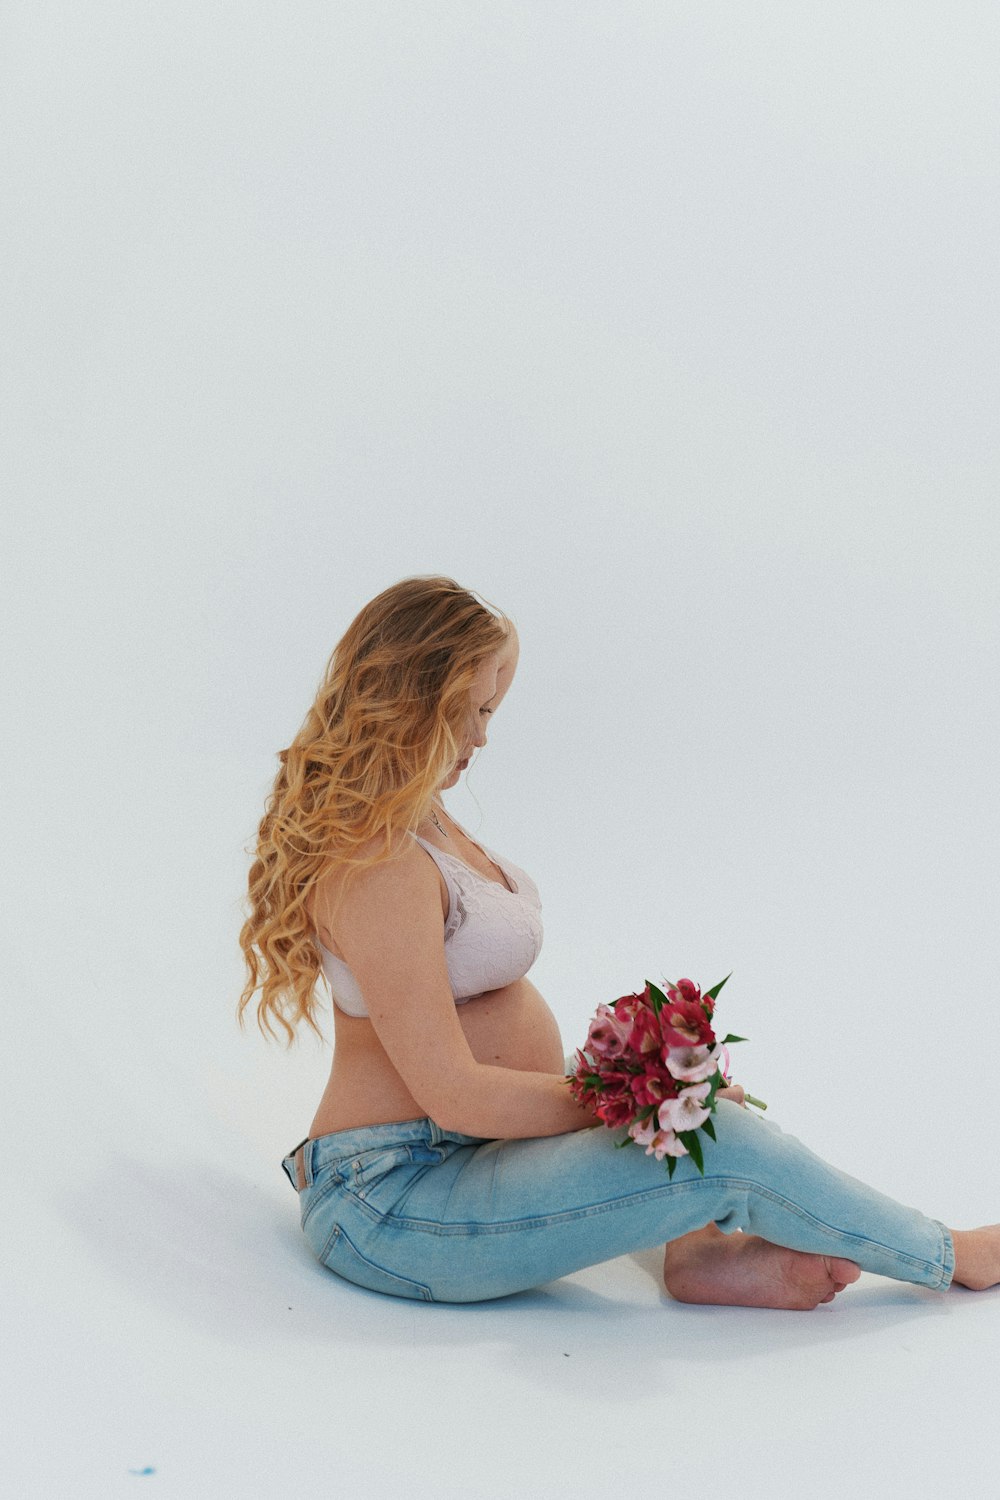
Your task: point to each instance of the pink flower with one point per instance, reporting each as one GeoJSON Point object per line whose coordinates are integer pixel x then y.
{"type": "Point", "coordinates": [686, 1112]}
{"type": "Point", "coordinates": [692, 1064]}
{"type": "Point", "coordinates": [608, 1036]}
{"type": "Point", "coordinates": [658, 1143]}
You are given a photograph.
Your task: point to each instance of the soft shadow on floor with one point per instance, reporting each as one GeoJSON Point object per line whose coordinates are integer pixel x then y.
{"type": "Point", "coordinates": [214, 1250]}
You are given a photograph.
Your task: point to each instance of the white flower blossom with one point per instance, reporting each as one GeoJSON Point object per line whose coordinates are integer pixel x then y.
{"type": "Point", "coordinates": [685, 1112]}
{"type": "Point", "coordinates": [692, 1064]}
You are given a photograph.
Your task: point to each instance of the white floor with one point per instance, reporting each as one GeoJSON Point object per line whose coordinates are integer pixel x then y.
{"type": "Point", "coordinates": [167, 1317]}
{"type": "Point", "coordinates": [167, 1332]}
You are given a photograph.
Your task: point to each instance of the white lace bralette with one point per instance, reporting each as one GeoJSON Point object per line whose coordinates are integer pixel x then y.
{"type": "Point", "coordinates": [492, 933]}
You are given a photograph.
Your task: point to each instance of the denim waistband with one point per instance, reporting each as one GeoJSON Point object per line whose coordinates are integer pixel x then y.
{"type": "Point", "coordinates": [310, 1156]}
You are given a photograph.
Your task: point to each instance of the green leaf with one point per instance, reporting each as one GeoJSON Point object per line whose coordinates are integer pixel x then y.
{"type": "Point", "coordinates": [671, 1164]}
{"type": "Point", "coordinates": [730, 1038]}
{"type": "Point", "coordinates": [709, 1129]}
{"type": "Point", "coordinates": [716, 1082]}
{"type": "Point", "coordinates": [713, 993]}
{"type": "Point", "coordinates": [691, 1141]}
{"type": "Point", "coordinates": [657, 996]}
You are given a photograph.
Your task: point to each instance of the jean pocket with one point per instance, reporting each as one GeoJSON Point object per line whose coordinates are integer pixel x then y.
{"type": "Point", "coordinates": [343, 1256]}
{"type": "Point", "coordinates": [365, 1167]}
{"type": "Point", "coordinates": [380, 1177]}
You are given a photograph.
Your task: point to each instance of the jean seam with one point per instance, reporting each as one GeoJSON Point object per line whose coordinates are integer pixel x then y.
{"type": "Point", "coordinates": [319, 1198]}
{"type": "Point", "coordinates": [538, 1221]}
{"type": "Point", "coordinates": [339, 1233]}
{"type": "Point", "coordinates": [329, 1243]}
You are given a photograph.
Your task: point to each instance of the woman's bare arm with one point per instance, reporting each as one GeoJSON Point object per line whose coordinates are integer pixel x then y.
{"type": "Point", "coordinates": [509, 1104]}
{"type": "Point", "coordinates": [388, 927]}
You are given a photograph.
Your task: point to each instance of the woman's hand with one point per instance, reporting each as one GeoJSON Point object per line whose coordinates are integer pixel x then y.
{"type": "Point", "coordinates": [734, 1091]}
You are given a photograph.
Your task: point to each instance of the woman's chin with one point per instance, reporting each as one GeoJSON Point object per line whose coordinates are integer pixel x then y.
{"type": "Point", "coordinates": [456, 771]}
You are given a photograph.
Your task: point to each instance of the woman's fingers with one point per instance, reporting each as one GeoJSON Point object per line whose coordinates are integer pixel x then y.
{"type": "Point", "coordinates": [734, 1091]}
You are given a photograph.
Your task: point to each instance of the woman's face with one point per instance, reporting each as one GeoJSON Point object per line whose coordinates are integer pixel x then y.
{"type": "Point", "coordinates": [495, 676]}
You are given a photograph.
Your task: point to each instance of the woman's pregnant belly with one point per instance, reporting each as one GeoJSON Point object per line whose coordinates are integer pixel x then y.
{"type": "Point", "coordinates": [511, 1027]}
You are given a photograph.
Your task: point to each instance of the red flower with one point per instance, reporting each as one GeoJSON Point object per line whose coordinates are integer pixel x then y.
{"type": "Point", "coordinates": [614, 1079]}
{"type": "Point", "coordinates": [627, 1007]}
{"type": "Point", "coordinates": [646, 1037]}
{"type": "Point", "coordinates": [653, 1086]}
{"type": "Point", "coordinates": [685, 1024]}
{"type": "Point", "coordinates": [684, 989]}
{"type": "Point", "coordinates": [637, 995]}
{"type": "Point", "coordinates": [615, 1103]}
{"type": "Point", "coordinates": [616, 1108]}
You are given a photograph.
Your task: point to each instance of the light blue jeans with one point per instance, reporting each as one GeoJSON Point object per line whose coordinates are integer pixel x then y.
{"type": "Point", "coordinates": [415, 1211]}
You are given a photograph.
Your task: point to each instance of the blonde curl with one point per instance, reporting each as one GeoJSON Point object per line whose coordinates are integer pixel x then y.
{"type": "Point", "coordinates": [383, 732]}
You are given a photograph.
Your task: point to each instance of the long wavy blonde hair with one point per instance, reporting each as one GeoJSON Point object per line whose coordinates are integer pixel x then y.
{"type": "Point", "coordinates": [384, 731]}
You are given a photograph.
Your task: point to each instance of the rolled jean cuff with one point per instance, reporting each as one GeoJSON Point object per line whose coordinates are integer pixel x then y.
{"type": "Point", "coordinates": [947, 1257]}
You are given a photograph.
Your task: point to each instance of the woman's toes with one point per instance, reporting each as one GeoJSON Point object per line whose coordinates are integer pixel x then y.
{"type": "Point", "coordinates": [841, 1273]}
{"type": "Point", "coordinates": [844, 1271]}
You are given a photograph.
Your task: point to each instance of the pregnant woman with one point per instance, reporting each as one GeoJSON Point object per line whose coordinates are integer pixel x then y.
{"type": "Point", "coordinates": [447, 1160]}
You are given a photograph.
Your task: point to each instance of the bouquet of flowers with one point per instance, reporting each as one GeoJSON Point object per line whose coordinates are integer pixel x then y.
{"type": "Point", "coordinates": [651, 1062]}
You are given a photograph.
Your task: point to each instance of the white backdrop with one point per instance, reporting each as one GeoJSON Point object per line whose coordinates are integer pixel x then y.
{"type": "Point", "coordinates": [671, 330]}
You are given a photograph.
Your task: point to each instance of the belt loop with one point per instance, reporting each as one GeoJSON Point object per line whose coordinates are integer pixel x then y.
{"type": "Point", "coordinates": [300, 1162]}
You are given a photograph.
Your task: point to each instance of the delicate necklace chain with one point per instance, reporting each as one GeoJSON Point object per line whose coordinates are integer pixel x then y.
{"type": "Point", "coordinates": [434, 820]}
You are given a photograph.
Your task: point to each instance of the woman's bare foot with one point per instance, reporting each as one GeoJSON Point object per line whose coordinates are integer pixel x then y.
{"type": "Point", "coordinates": [977, 1257]}
{"type": "Point", "coordinates": [742, 1270]}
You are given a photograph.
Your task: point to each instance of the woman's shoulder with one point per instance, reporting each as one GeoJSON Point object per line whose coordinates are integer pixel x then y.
{"type": "Point", "coordinates": [337, 871]}
{"type": "Point", "coordinates": [403, 862]}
